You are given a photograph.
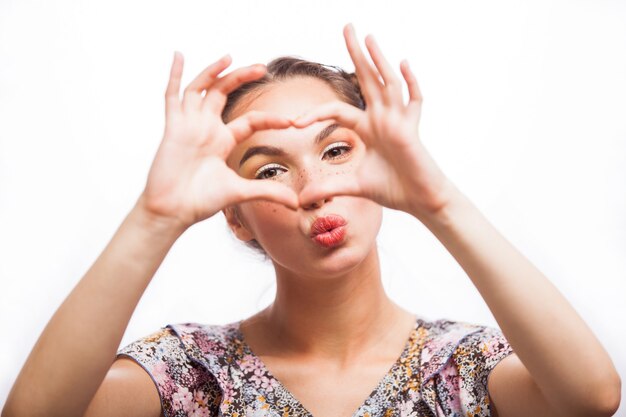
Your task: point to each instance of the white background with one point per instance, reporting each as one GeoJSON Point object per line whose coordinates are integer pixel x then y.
{"type": "Point", "coordinates": [524, 109]}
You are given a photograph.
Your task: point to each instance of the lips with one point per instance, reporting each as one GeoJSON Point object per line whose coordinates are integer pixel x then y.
{"type": "Point", "coordinates": [329, 230]}
{"type": "Point", "coordinates": [326, 224]}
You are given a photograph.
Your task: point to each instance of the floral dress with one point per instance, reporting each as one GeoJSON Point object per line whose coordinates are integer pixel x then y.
{"type": "Point", "coordinates": [209, 370]}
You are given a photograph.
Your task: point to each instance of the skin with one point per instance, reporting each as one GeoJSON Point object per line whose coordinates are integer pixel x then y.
{"type": "Point", "coordinates": [330, 302]}
{"type": "Point", "coordinates": [191, 180]}
{"type": "Point", "coordinates": [187, 183]}
{"type": "Point", "coordinates": [397, 172]}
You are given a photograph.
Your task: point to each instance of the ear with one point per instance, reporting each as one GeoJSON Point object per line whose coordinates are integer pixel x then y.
{"type": "Point", "coordinates": [236, 225]}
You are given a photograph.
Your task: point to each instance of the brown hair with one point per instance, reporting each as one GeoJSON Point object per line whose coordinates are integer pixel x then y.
{"type": "Point", "coordinates": [345, 84]}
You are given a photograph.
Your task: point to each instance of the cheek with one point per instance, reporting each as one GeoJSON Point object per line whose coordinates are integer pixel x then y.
{"type": "Point", "coordinates": [265, 215]}
{"type": "Point", "coordinates": [372, 213]}
{"type": "Point", "coordinates": [336, 172]}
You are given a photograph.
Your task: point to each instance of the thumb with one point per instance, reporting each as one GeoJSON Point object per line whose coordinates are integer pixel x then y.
{"type": "Point", "coordinates": [267, 190]}
{"type": "Point", "coordinates": [349, 185]}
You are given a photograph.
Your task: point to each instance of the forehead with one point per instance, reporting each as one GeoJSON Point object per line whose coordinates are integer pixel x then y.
{"type": "Point", "coordinates": [292, 97]}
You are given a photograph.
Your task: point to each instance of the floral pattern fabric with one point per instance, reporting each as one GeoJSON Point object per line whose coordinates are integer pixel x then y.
{"type": "Point", "coordinates": [209, 370]}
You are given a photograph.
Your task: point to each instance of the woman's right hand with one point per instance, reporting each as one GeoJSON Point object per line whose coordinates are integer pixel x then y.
{"type": "Point", "coordinates": [189, 180]}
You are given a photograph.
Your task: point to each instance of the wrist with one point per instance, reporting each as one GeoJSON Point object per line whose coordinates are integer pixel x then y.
{"type": "Point", "coordinates": [453, 204]}
{"type": "Point", "coordinates": [155, 223]}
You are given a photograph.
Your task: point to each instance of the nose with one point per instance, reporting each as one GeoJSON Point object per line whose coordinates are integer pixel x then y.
{"type": "Point", "coordinates": [306, 177]}
{"type": "Point", "coordinates": [317, 204]}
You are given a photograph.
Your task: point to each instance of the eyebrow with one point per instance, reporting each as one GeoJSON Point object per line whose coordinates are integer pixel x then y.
{"type": "Point", "coordinates": [275, 151]}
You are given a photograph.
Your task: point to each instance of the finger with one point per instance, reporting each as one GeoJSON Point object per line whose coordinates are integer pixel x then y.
{"type": "Point", "coordinates": [415, 95]}
{"type": "Point", "coordinates": [245, 125]}
{"type": "Point", "coordinates": [348, 185]}
{"type": "Point", "coordinates": [266, 190]}
{"type": "Point", "coordinates": [343, 113]}
{"type": "Point", "coordinates": [368, 78]}
{"type": "Point", "coordinates": [216, 95]}
{"type": "Point", "coordinates": [209, 74]}
{"type": "Point", "coordinates": [204, 80]}
{"type": "Point", "coordinates": [172, 91]}
{"type": "Point", "coordinates": [389, 77]}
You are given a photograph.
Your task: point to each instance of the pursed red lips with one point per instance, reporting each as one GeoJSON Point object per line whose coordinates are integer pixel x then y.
{"type": "Point", "coordinates": [328, 231]}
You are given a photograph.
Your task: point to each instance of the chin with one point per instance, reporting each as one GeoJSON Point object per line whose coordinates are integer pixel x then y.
{"type": "Point", "coordinates": [326, 264]}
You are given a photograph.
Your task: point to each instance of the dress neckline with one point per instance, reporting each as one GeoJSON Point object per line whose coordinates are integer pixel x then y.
{"type": "Point", "coordinates": [389, 375]}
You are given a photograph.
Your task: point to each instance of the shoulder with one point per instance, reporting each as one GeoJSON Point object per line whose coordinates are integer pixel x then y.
{"type": "Point", "coordinates": [183, 361]}
{"type": "Point", "coordinates": [221, 334]}
{"type": "Point", "coordinates": [457, 358]}
{"type": "Point", "coordinates": [441, 339]}
{"type": "Point", "coordinates": [463, 344]}
{"type": "Point", "coordinates": [207, 342]}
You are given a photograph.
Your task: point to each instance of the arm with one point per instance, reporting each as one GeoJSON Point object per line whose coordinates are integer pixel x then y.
{"type": "Point", "coordinates": [546, 333]}
{"type": "Point", "coordinates": [63, 371]}
{"type": "Point", "coordinates": [188, 182]}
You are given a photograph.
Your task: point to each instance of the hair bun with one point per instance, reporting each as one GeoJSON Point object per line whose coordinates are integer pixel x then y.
{"type": "Point", "coordinates": [354, 80]}
{"type": "Point", "coordinates": [351, 76]}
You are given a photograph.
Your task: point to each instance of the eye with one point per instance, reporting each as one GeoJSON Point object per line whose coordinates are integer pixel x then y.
{"type": "Point", "coordinates": [334, 150]}
{"type": "Point", "coordinates": [337, 150]}
{"type": "Point", "coordinates": [269, 168]}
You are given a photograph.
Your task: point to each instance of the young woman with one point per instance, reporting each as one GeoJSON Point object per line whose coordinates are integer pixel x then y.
{"type": "Point", "coordinates": [301, 158]}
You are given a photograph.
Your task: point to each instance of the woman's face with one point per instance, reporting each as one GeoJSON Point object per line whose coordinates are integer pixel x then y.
{"type": "Point", "coordinates": [283, 233]}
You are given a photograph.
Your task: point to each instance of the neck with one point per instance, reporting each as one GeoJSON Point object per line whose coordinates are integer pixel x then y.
{"type": "Point", "coordinates": [336, 318]}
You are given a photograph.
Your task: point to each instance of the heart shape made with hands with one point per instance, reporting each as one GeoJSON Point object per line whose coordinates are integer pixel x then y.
{"type": "Point", "coordinates": [385, 173]}
{"type": "Point", "coordinates": [190, 181]}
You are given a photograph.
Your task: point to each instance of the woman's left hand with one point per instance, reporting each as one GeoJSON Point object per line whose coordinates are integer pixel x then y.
{"type": "Point", "coordinates": [396, 171]}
